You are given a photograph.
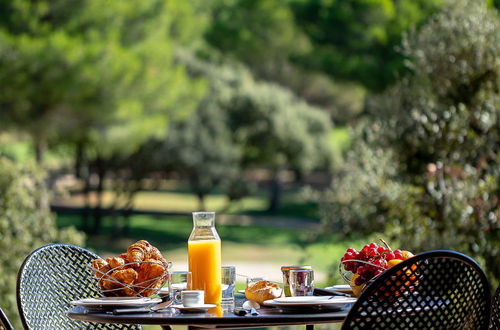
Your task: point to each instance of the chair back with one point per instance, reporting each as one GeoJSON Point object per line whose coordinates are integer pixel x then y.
{"type": "Point", "coordinates": [4, 322]}
{"type": "Point", "coordinates": [49, 279]}
{"type": "Point", "coordinates": [433, 290]}
{"type": "Point", "coordinates": [495, 311]}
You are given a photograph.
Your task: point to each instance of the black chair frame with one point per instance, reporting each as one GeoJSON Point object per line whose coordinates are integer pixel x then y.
{"type": "Point", "coordinates": [4, 321]}
{"type": "Point", "coordinates": [368, 308]}
{"type": "Point", "coordinates": [49, 278]}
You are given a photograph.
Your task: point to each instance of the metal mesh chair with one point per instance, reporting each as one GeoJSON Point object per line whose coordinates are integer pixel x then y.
{"type": "Point", "coordinates": [4, 322]}
{"type": "Point", "coordinates": [495, 311]}
{"type": "Point", "coordinates": [49, 278]}
{"type": "Point", "coordinates": [433, 290]}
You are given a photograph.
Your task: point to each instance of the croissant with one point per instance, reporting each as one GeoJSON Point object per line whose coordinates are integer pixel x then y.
{"type": "Point", "coordinates": [138, 251]}
{"type": "Point", "coordinates": [151, 274]}
{"type": "Point", "coordinates": [101, 268]}
{"type": "Point", "coordinates": [115, 262]}
{"type": "Point", "coordinates": [126, 276]}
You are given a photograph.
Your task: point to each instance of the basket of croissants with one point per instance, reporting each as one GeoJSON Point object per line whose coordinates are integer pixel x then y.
{"type": "Point", "coordinates": [141, 272]}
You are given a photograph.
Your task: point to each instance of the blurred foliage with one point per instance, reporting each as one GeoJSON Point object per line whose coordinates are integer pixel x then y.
{"type": "Point", "coordinates": [243, 123]}
{"type": "Point", "coordinates": [356, 40]}
{"type": "Point", "coordinates": [426, 167]}
{"type": "Point", "coordinates": [260, 33]}
{"type": "Point", "coordinates": [25, 224]}
{"type": "Point", "coordinates": [104, 75]}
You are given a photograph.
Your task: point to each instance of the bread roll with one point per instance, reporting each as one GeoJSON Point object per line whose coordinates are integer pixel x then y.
{"type": "Point", "coordinates": [263, 290]}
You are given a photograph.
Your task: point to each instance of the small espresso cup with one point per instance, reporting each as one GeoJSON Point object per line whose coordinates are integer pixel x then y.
{"type": "Point", "coordinates": [191, 298]}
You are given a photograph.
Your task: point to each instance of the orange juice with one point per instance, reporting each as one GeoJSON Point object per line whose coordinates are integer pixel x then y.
{"type": "Point", "coordinates": [205, 267]}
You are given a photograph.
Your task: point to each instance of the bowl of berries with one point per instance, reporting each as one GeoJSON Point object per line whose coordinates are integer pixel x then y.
{"type": "Point", "coordinates": [359, 268]}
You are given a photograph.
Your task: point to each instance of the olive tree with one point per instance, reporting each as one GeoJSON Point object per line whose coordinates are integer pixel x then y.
{"type": "Point", "coordinates": [25, 224]}
{"type": "Point", "coordinates": [426, 168]}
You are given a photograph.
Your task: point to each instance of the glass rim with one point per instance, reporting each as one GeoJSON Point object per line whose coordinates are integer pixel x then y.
{"type": "Point", "coordinates": [301, 271]}
{"type": "Point", "coordinates": [290, 268]}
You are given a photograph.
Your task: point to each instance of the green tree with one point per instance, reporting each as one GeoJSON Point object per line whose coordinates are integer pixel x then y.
{"type": "Point", "coordinates": [356, 40]}
{"type": "Point", "coordinates": [426, 169]}
{"type": "Point", "coordinates": [203, 151]}
{"type": "Point", "coordinates": [99, 76]}
{"type": "Point", "coordinates": [25, 224]}
{"type": "Point", "coordinates": [270, 126]}
{"type": "Point", "coordinates": [259, 33]}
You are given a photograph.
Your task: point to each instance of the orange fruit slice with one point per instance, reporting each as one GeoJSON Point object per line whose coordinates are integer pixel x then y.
{"type": "Point", "coordinates": [394, 262]}
{"type": "Point", "coordinates": [356, 289]}
{"type": "Point", "coordinates": [407, 254]}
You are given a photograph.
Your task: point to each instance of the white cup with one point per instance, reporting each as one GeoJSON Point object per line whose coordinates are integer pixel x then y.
{"type": "Point", "coordinates": [191, 298]}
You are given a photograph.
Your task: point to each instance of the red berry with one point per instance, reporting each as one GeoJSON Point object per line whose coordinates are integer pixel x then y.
{"type": "Point", "coordinates": [359, 280]}
{"type": "Point", "coordinates": [373, 245]}
{"type": "Point", "coordinates": [390, 256]}
{"type": "Point", "coordinates": [352, 250]}
{"type": "Point", "coordinates": [381, 249]}
{"type": "Point", "coordinates": [372, 252]}
{"type": "Point", "coordinates": [398, 254]}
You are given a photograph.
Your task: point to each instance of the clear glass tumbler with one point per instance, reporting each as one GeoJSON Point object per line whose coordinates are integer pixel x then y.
{"type": "Point", "coordinates": [178, 282]}
{"type": "Point", "coordinates": [301, 282]}
{"type": "Point", "coordinates": [228, 283]}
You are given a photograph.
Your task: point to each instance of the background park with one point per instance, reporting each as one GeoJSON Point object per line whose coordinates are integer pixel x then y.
{"type": "Point", "coordinates": [309, 126]}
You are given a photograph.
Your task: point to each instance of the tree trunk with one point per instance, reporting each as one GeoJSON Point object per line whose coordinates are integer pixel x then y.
{"type": "Point", "coordinates": [79, 158]}
{"type": "Point", "coordinates": [201, 201]}
{"type": "Point", "coordinates": [86, 199]}
{"type": "Point", "coordinates": [40, 149]}
{"type": "Point", "coordinates": [101, 173]}
{"type": "Point", "coordinates": [275, 192]}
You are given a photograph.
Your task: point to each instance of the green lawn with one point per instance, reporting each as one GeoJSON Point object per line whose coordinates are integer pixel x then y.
{"type": "Point", "coordinates": [179, 200]}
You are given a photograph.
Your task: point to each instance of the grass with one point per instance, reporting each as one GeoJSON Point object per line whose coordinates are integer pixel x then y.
{"type": "Point", "coordinates": [180, 201]}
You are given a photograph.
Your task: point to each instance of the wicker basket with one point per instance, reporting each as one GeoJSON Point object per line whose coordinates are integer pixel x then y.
{"type": "Point", "coordinates": [140, 279]}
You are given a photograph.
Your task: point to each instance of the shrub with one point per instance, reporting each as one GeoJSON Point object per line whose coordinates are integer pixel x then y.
{"type": "Point", "coordinates": [25, 224]}
{"type": "Point", "coordinates": [426, 169]}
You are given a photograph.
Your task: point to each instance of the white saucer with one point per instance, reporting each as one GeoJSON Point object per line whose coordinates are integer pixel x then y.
{"type": "Point", "coordinates": [194, 309]}
{"type": "Point", "coordinates": [116, 302]}
{"type": "Point", "coordinates": [345, 288]}
{"type": "Point", "coordinates": [302, 299]}
{"type": "Point", "coordinates": [311, 302]}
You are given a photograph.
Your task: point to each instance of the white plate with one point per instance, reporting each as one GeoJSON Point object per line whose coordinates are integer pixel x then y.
{"type": "Point", "coordinates": [116, 302]}
{"type": "Point", "coordinates": [336, 302]}
{"type": "Point", "coordinates": [345, 288]}
{"type": "Point", "coordinates": [302, 299]}
{"type": "Point", "coordinates": [194, 309]}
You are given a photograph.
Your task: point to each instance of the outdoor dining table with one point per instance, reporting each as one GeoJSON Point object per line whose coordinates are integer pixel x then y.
{"type": "Point", "coordinates": [214, 318]}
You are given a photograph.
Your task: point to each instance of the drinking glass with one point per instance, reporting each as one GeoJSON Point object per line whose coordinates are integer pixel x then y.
{"type": "Point", "coordinates": [179, 281]}
{"type": "Point", "coordinates": [228, 284]}
{"type": "Point", "coordinates": [301, 282]}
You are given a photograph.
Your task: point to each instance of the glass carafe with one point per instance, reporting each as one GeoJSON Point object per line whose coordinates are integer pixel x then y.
{"type": "Point", "coordinates": [204, 250]}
